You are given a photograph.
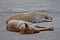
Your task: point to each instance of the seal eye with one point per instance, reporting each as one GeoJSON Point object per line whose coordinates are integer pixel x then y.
{"type": "Point", "coordinates": [46, 17]}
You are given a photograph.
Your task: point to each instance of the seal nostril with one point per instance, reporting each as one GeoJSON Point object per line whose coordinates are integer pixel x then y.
{"type": "Point", "coordinates": [51, 18]}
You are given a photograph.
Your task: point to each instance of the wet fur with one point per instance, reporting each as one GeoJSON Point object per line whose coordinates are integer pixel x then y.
{"type": "Point", "coordinates": [32, 16]}
{"type": "Point", "coordinates": [24, 27]}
